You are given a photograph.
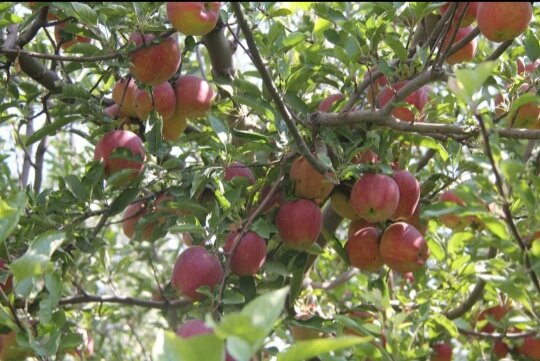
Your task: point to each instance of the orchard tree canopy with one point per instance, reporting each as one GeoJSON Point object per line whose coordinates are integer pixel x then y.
{"type": "Point", "coordinates": [269, 181]}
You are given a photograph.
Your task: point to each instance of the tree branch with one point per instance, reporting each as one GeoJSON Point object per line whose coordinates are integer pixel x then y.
{"type": "Point", "coordinates": [130, 301]}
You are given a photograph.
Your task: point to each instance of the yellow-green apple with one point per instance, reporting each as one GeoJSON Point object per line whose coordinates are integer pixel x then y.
{"type": "Point", "coordinates": [194, 97]}
{"type": "Point", "coordinates": [326, 105]}
{"type": "Point", "coordinates": [441, 352]}
{"type": "Point", "coordinates": [164, 101]}
{"type": "Point", "coordinates": [174, 126]}
{"type": "Point", "coordinates": [67, 39]}
{"type": "Point", "coordinates": [367, 156]}
{"type": "Point", "coordinates": [357, 225]}
{"type": "Point", "coordinates": [419, 98]}
{"type": "Point", "coordinates": [341, 204]}
{"type": "Point", "coordinates": [299, 223]}
{"type": "Point", "coordinates": [530, 348]}
{"type": "Point", "coordinates": [501, 21]}
{"type": "Point", "coordinates": [403, 248]}
{"type": "Point", "coordinates": [495, 313]}
{"type": "Point", "coordinates": [193, 18]}
{"type": "Point", "coordinates": [154, 64]}
{"type": "Point", "coordinates": [6, 285]}
{"type": "Point", "coordinates": [132, 215]}
{"type": "Point", "coordinates": [528, 115]}
{"type": "Point", "coordinates": [470, 13]}
{"type": "Point", "coordinates": [409, 194]}
{"type": "Point", "coordinates": [195, 328]}
{"type": "Point", "coordinates": [452, 221]}
{"type": "Point", "coordinates": [196, 267]}
{"type": "Point", "coordinates": [375, 197]}
{"type": "Point", "coordinates": [375, 85]}
{"type": "Point", "coordinates": [500, 349]}
{"type": "Point", "coordinates": [237, 169]}
{"type": "Point", "coordinates": [249, 255]}
{"type": "Point", "coordinates": [111, 151]}
{"type": "Point", "coordinates": [363, 249]}
{"type": "Point", "coordinates": [308, 182]}
{"type": "Point", "coordinates": [123, 95]}
{"type": "Point", "coordinates": [467, 52]}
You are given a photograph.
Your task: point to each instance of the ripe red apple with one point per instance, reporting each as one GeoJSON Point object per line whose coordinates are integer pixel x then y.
{"type": "Point", "coordinates": [308, 182]}
{"type": "Point", "coordinates": [530, 348]}
{"type": "Point", "coordinates": [132, 215]}
{"type": "Point", "coordinates": [375, 197]}
{"type": "Point", "coordinates": [123, 95]}
{"type": "Point", "coordinates": [467, 52]}
{"type": "Point", "coordinates": [7, 285]}
{"type": "Point", "coordinates": [250, 254]}
{"type": "Point", "coordinates": [194, 97]}
{"type": "Point", "coordinates": [154, 64]}
{"type": "Point", "coordinates": [403, 248]}
{"type": "Point", "coordinates": [441, 352]}
{"type": "Point", "coordinates": [341, 204]}
{"type": "Point", "coordinates": [418, 99]}
{"type": "Point", "coordinates": [415, 221]}
{"type": "Point", "coordinates": [299, 223]}
{"type": "Point", "coordinates": [375, 85]}
{"type": "Point", "coordinates": [500, 349]}
{"type": "Point", "coordinates": [470, 13]}
{"type": "Point", "coordinates": [237, 169]}
{"type": "Point", "coordinates": [367, 156]}
{"type": "Point", "coordinates": [357, 225]}
{"type": "Point", "coordinates": [495, 313]}
{"type": "Point", "coordinates": [452, 221]}
{"type": "Point", "coordinates": [194, 268]}
{"type": "Point", "coordinates": [67, 39]}
{"type": "Point", "coordinates": [409, 195]}
{"type": "Point", "coordinates": [114, 141]}
{"type": "Point", "coordinates": [363, 249]}
{"type": "Point", "coordinates": [501, 21]}
{"type": "Point", "coordinates": [164, 101]}
{"type": "Point", "coordinates": [193, 18]}
{"type": "Point", "coordinates": [174, 126]}
{"type": "Point", "coordinates": [327, 103]}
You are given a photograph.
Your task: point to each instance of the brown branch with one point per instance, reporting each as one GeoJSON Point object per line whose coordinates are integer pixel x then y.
{"type": "Point", "coordinates": [496, 336]}
{"type": "Point", "coordinates": [129, 301]}
{"type": "Point", "coordinates": [269, 84]}
{"type": "Point", "coordinates": [337, 281]}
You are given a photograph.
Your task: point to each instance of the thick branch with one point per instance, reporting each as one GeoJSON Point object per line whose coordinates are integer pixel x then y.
{"type": "Point", "coordinates": [496, 336]}
{"type": "Point", "coordinates": [220, 51]}
{"type": "Point", "coordinates": [85, 298]}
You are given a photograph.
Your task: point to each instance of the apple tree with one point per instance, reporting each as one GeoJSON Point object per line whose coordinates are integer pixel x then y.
{"type": "Point", "coordinates": [269, 181]}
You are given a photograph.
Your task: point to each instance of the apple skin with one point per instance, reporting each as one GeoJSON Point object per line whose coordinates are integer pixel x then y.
{"type": "Point", "coordinates": [193, 18]}
{"type": "Point", "coordinates": [68, 39]}
{"type": "Point", "coordinates": [120, 139]}
{"type": "Point", "coordinates": [194, 97]}
{"type": "Point", "coordinates": [7, 286]}
{"type": "Point", "coordinates": [154, 64]}
{"type": "Point", "coordinates": [415, 221]}
{"type": "Point", "coordinates": [132, 215]}
{"type": "Point", "coordinates": [327, 103]}
{"type": "Point", "coordinates": [363, 249]}
{"type": "Point", "coordinates": [367, 156]}
{"type": "Point", "coordinates": [409, 194]}
{"type": "Point", "coordinates": [356, 226]}
{"type": "Point", "coordinates": [250, 254]}
{"type": "Point", "coordinates": [441, 352]}
{"type": "Point", "coordinates": [375, 197]}
{"type": "Point", "coordinates": [470, 13]}
{"type": "Point", "coordinates": [403, 248]}
{"type": "Point", "coordinates": [237, 169]}
{"type": "Point", "coordinates": [114, 112]}
{"type": "Point", "coordinates": [341, 204]}
{"type": "Point", "coordinates": [496, 313]}
{"type": "Point", "coordinates": [299, 223]}
{"type": "Point", "coordinates": [419, 98]}
{"type": "Point", "coordinates": [530, 348]}
{"type": "Point", "coordinates": [127, 106]}
{"type": "Point", "coordinates": [500, 21]}
{"type": "Point", "coordinates": [174, 126]}
{"type": "Point", "coordinates": [464, 54]}
{"type": "Point", "coordinates": [164, 101]}
{"type": "Point", "coordinates": [196, 267]}
{"type": "Point", "coordinates": [308, 183]}
{"type": "Point", "coordinates": [500, 349]}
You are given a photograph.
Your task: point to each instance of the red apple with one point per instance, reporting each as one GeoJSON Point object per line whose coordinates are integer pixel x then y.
{"type": "Point", "coordinates": [299, 223]}
{"type": "Point", "coordinates": [67, 39]}
{"type": "Point", "coordinates": [7, 285]}
{"type": "Point", "coordinates": [194, 268]}
{"type": "Point", "coordinates": [123, 95]}
{"type": "Point", "coordinates": [164, 101]}
{"type": "Point", "coordinates": [132, 215]}
{"type": "Point", "coordinates": [357, 225]}
{"type": "Point", "coordinates": [495, 313]}
{"type": "Point", "coordinates": [308, 182]}
{"type": "Point", "coordinates": [367, 156]}
{"type": "Point", "coordinates": [341, 204]}
{"type": "Point", "coordinates": [114, 141]}
{"type": "Point", "coordinates": [441, 352]}
{"type": "Point", "coordinates": [154, 64]}
{"type": "Point", "coordinates": [194, 97]}
{"type": "Point", "coordinates": [500, 349]}
{"type": "Point", "coordinates": [193, 18]}
{"type": "Point", "coordinates": [327, 103]}
{"type": "Point", "coordinates": [114, 112]}
{"type": "Point", "coordinates": [418, 99]}
{"type": "Point", "coordinates": [375, 197]}
{"type": "Point", "coordinates": [467, 52]}
{"type": "Point", "coordinates": [403, 248]}
{"type": "Point", "coordinates": [530, 348]}
{"type": "Point", "coordinates": [363, 249]}
{"type": "Point", "coordinates": [409, 195]}
{"type": "Point", "coordinates": [250, 254]}
{"type": "Point", "coordinates": [470, 13]}
{"type": "Point", "coordinates": [237, 169]}
{"type": "Point", "coordinates": [415, 221]}
{"type": "Point", "coordinates": [501, 21]}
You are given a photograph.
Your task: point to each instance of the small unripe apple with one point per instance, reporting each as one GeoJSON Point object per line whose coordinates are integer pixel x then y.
{"type": "Point", "coordinates": [308, 182]}
{"type": "Point", "coordinates": [154, 64]}
{"type": "Point", "coordinates": [403, 248]}
{"type": "Point", "coordinates": [67, 39]}
{"type": "Point", "coordinates": [326, 105]}
{"type": "Point", "coordinates": [123, 95]}
{"type": "Point", "coordinates": [363, 249]}
{"type": "Point", "coordinates": [357, 225]}
{"type": "Point", "coordinates": [193, 18]}
{"type": "Point", "coordinates": [194, 97]}
{"type": "Point", "coordinates": [115, 140]}
{"type": "Point", "coordinates": [250, 254]}
{"type": "Point", "coordinates": [237, 169]}
{"type": "Point", "coordinates": [441, 352]}
{"type": "Point", "coordinates": [174, 126]}
{"type": "Point", "coordinates": [530, 348]}
{"type": "Point", "coordinates": [299, 223]}
{"type": "Point", "coordinates": [341, 204]}
{"type": "Point", "coordinates": [7, 285]}
{"type": "Point", "coordinates": [470, 13]}
{"type": "Point", "coordinates": [164, 101]}
{"type": "Point", "coordinates": [419, 98]}
{"type": "Point", "coordinates": [409, 195]}
{"type": "Point", "coordinates": [467, 52]}
{"type": "Point", "coordinates": [375, 197]}
{"type": "Point", "coordinates": [501, 21]}
{"type": "Point", "coordinates": [495, 313]}
{"type": "Point", "coordinates": [132, 215]}
{"type": "Point", "coordinates": [194, 268]}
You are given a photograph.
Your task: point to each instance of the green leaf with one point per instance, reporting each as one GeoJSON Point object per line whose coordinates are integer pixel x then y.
{"type": "Point", "coordinates": [219, 128]}
{"type": "Point", "coordinates": [123, 200]}
{"type": "Point", "coordinates": [10, 213]}
{"type": "Point", "coordinates": [336, 245]}
{"type": "Point", "coordinates": [36, 260]}
{"type": "Point", "coordinates": [49, 129]}
{"type": "Point", "coordinates": [169, 347]}
{"type": "Point", "coordinates": [396, 46]}
{"type": "Point", "coordinates": [532, 46]}
{"type": "Point", "coordinates": [469, 81]}
{"type": "Point", "coordinates": [441, 320]}
{"type": "Point", "coordinates": [304, 350]}
{"type": "Point", "coordinates": [85, 13]}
